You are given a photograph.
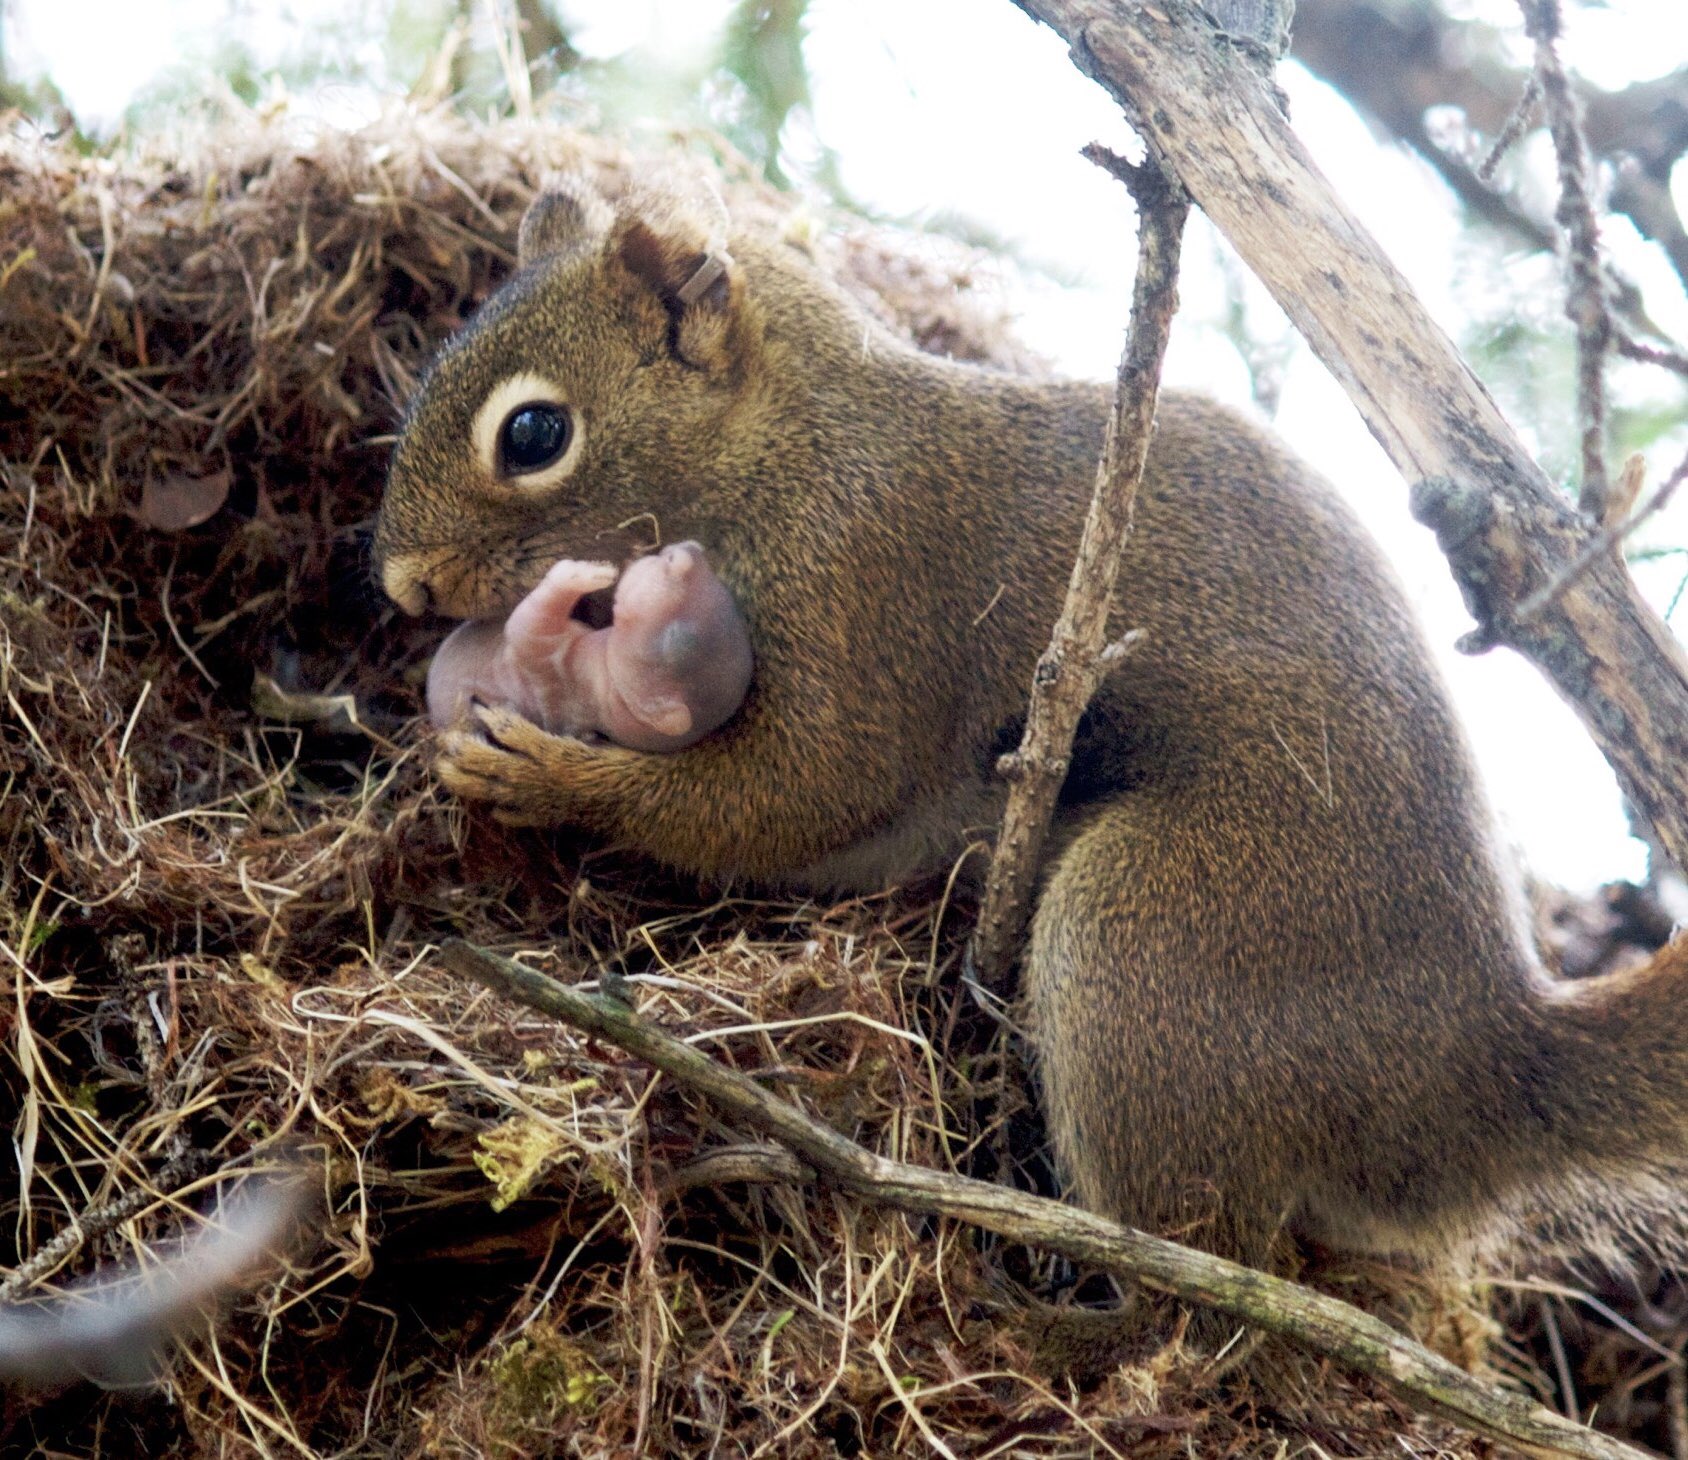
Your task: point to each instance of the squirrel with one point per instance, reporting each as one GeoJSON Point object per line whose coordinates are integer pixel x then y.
{"type": "Point", "coordinates": [1279, 976]}
{"type": "Point", "coordinates": [672, 665]}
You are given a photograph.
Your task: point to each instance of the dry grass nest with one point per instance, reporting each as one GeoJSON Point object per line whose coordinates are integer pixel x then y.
{"type": "Point", "coordinates": [224, 867]}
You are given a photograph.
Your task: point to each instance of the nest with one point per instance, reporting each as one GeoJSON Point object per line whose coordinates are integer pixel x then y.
{"type": "Point", "coordinates": [224, 866]}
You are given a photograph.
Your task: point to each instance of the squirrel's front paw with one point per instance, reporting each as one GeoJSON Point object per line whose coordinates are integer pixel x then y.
{"type": "Point", "coordinates": [526, 773]}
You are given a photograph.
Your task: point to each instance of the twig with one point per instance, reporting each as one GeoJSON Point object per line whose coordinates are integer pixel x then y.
{"type": "Point", "coordinates": [1633, 349]}
{"type": "Point", "coordinates": [1641, 192]}
{"type": "Point", "coordinates": [1076, 659]}
{"type": "Point", "coordinates": [1585, 299]}
{"type": "Point", "coordinates": [1318, 1322]}
{"type": "Point", "coordinates": [114, 1327]}
{"type": "Point", "coordinates": [126, 952]}
{"type": "Point", "coordinates": [1604, 541]}
{"type": "Point", "coordinates": [95, 1222]}
{"type": "Point", "coordinates": [1640, 131]}
{"type": "Point", "coordinates": [1517, 120]}
{"type": "Point", "coordinates": [756, 1164]}
{"type": "Point", "coordinates": [1561, 1360]}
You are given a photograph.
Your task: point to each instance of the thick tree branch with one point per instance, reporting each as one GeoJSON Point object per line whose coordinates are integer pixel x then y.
{"type": "Point", "coordinates": [1077, 656]}
{"type": "Point", "coordinates": [1505, 530]}
{"type": "Point", "coordinates": [1323, 1324]}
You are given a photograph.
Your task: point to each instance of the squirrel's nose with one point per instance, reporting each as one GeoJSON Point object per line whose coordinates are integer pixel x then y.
{"type": "Point", "coordinates": [405, 581]}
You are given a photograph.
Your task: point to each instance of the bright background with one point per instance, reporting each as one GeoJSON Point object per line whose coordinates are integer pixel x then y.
{"type": "Point", "coordinates": [964, 116]}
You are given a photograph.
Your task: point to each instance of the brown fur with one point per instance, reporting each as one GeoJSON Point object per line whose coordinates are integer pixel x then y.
{"type": "Point", "coordinates": [1278, 973]}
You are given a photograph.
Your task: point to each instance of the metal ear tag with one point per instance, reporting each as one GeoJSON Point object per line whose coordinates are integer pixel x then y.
{"type": "Point", "coordinates": [713, 268]}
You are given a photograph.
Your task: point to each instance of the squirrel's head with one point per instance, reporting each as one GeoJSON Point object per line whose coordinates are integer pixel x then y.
{"type": "Point", "coordinates": [579, 412]}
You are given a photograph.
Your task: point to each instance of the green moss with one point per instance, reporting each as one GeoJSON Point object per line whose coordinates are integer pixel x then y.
{"type": "Point", "coordinates": [539, 1378]}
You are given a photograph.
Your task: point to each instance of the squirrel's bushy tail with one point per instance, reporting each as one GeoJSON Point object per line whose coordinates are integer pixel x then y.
{"type": "Point", "coordinates": [1612, 1178]}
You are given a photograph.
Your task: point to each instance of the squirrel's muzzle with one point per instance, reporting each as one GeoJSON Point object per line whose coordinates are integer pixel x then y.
{"type": "Point", "coordinates": [404, 579]}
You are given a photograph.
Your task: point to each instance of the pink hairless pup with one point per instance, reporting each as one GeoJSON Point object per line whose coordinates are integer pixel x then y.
{"type": "Point", "coordinates": [673, 665]}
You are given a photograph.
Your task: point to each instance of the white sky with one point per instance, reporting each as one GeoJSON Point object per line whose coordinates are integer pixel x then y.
{"type": "Point", "coordinates": [947, 107]}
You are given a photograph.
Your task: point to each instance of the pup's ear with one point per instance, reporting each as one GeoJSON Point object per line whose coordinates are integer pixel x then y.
{"type": "Point", "coordinates": [568, 216]}
{"type": "Point", "coordinates": [671, 238]}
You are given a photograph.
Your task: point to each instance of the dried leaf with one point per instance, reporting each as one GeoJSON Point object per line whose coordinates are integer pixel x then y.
{"type": "Point", "coordinates": [174, 504]}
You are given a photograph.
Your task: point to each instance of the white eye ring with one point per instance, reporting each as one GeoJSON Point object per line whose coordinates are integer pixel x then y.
{"type": "Point", "coordinates": [525, 388]}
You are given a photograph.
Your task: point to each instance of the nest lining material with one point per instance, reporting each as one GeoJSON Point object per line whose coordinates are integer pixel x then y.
{"type": "Point", "coordinates": [224, 864]}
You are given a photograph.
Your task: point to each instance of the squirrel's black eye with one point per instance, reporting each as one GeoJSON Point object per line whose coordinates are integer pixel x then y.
{"type": "Point", "coordinates": [533, 436]}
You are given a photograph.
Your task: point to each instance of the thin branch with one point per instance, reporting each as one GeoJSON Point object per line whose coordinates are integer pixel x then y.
{"type": "Point", "coordinates": [1517, 123]}
{"type": "Point", "coordinates": [1585, 298]}
{"type": "Point", "coordinates": [1609, 537]}
{"type": "Point", "coordinates": [1076, 659]}
{"type": "Point", "coordinates": [1504, 211]}
{"type": "Point", "coordinates": [758, 1165]}
{"type": "Point", "coordinates": [114, 1327]}
{"type": "Point", "coordinates": [1318, 1322]}
{"type": "Point", "coordinates": [94, 1223]}
{"type": "Point", "coordinates": [1633, 349]}
{"type": "Point", "coordinates": [1643, 196]}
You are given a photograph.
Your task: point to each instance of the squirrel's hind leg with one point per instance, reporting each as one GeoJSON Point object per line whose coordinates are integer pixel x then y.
{"type": "Point", "coordinates": [1150, 1086]}
{"type": "Point", "coordinates": [1226, 1070]}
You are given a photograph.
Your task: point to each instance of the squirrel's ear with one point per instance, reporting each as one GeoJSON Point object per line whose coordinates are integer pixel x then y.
{"type": "Point", "coordinates": [567, 216]}
{"type": "Point", "coordinates": [673, 243]}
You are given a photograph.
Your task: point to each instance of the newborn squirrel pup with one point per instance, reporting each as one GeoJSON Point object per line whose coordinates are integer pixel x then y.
{"type": "Point", "coordinates": [672, 665]}
{"type": "Point", "coordinates": [1279, 973]}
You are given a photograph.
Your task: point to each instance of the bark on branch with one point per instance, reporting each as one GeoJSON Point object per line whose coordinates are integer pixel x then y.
{"type": "Point", "coordinates": [1078, 655]}
{"type": "Point", "coordinates": [1507, 533]}
{"type": "Point", "coordinates": [1323, 1324]}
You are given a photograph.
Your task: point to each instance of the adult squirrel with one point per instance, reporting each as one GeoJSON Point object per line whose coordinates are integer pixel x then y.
{"type": "Point", "coordinates": [1279, 973]}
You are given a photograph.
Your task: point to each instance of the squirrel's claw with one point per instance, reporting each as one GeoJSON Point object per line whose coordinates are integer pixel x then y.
{"type": "Point", "coordinates": [497, 756]}
{"type": "Point", "coordinates": [503, 729]}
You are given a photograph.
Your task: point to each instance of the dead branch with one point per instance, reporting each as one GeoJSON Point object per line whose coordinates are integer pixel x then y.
{"type": "Point", "coordinates": [1633, 349]}
{"type": "Point", "coordinates": [1314, 1320]}
{"type": "Point", "coordinates": [1504, 528]}
{"type": "Point", "coordinates": [1585, 298]}
{"type": "Point", "coordinates": [1521, 119]}
{"type": "Point", "coordinates": [1622, 524]}
{"type": "Point", "coordinates": [1077, 655]}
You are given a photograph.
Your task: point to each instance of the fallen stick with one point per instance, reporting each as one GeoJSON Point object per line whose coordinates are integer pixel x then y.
{"type": "Point", "coordinates": [1323, 1324]}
